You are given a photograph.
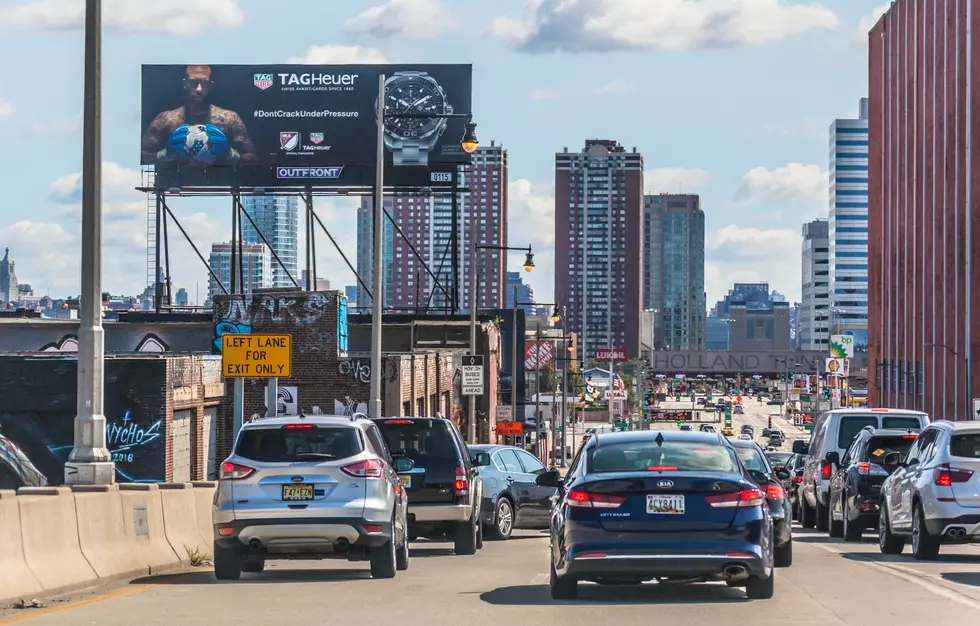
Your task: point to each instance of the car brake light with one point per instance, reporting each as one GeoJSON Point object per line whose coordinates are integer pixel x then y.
{"type": "Point", "coordinates": [234, 471]}
{"type": "Point", "coordinates": [584, 499]}
{"type": "Point", "coordinates": [662, 468]}
{"type": "Point", "coordinates": [371, 468]}
{"type": "Point", "coordinates": [461, 483]}
{"type": "Point", "coordinates": [399, 421]}
{"type": "Point", "coordinates": [871, 469]}
{"type": "Point", "coordinates": [774, 492]}
{"type": "Point", "coordinates": [227, 531]}
{"type": "Point", "coordinates": [741, 499]}
{"type": "Point", "coordinates": [825, 469]}
{"type": "Point", "coordinates": [299, 426]}
{"type": "Point", "coordinates": [944, 475]}
{"type": "Point", "coordinates": [910, 436]}
{"type": "Point", "coordinates": [799, 479]}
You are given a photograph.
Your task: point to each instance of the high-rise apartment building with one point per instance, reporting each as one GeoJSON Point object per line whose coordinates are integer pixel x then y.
{"type": "Point", "coordinates": [181, 299]}
{"type": "Point", "coordinates": [673, 270]}
{"type": "Point", "coordinates": [599, 244]}
{"type": "Point", "coordinates": [365, 247]}
{"type": "Point", "coordinates": [814, 324]}
{"type": "Point", "coordinates": [8, 280]}
{"type": "Point", "coordinates": [256, 268]}
{"type": "Point", "coordinates": [277, 217]}
{"type": "Point", "coordinates": [848, 230]}
{"type": "Point", "coordinates": [425, 240]}
{"type": "Point", "coordinates": [923, 251]}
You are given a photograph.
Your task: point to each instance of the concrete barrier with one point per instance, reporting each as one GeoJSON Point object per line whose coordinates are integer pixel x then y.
{"type": "Point", "coordinates": [204, 499]}
{"type": "Point", "coordinates": [141, 505]}
{"type": "Point", "coordinates": [49, 531]}
{"type": "Point", "coordinates": [180, 521]}
{"type": "Point", "coordinates": [17, 579]}
{"type": "Point", "coordinates": [102, 532]}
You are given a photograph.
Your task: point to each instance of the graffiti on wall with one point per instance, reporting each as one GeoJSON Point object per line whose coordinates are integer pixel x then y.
{"type": "Point", "coordinates": [349, 406]}
{"type": "Point", "coordinates": [238, 314]}
{"type": "Point", "coordinates": [358, 370]}
{"type": "Point", "coordinates": [69, 343]}
{"type": "Point", "coordinates": [236, 320]}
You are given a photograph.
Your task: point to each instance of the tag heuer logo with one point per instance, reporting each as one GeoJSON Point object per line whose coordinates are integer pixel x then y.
{"type": "Point", "coordinates": [289, 140]}
{"type": "Point", "coordinates": [316, 138]}
{"type": "Point", "coordinates": [263, 81]}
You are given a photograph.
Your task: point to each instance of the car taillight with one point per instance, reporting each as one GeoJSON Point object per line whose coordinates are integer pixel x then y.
{"type": "Point", "coordinates": [944, 475]}
{"type": "Point", "coordinates": [234, 471]}
{"type": "Point", "coordinates": [775, 492]}
{"type": "Point", "coordinates": [370, 468]}
{"type": "Point", "coordinates": [799, 479]}
{"type": "Point", "coordinates": [744, 498]}
{"type": "Point", "coordinates": [871, 469]}
{"type": "Point", "coordinates": [461, 483]}
{"type": "Point", "coordinates": [399, 422]}
{"type": "Point", "coordinates": [825, 469]}
{"type": "Point", "coordinates": [584, 499]}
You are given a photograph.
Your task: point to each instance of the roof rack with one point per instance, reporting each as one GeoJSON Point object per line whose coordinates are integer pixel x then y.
{"type": "Point", "coordinates": [358, 416]}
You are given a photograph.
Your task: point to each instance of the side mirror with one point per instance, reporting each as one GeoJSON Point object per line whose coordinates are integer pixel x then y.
{"type": "Point", "coordinates": [893, 459]}
{"type": "Point", "coordinates": [480, 459]}
{"type": "Point", "coordinates": [833, 457]}
{"type": "Point", "coordinates": [800, 447]}
{"type": "Point", "coordinates": [404, 464]}
{"type": "Point", "coordinates": [551, 478]}
{"type": "Point", "coordinates": [782, 473]}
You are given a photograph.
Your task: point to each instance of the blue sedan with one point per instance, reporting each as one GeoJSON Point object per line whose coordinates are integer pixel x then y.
{"type": "Point", "coordinates": [667, 505]}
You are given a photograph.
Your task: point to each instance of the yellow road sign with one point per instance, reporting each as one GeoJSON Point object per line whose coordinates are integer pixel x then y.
{"type": "Point", "coordinates": [256, 356]}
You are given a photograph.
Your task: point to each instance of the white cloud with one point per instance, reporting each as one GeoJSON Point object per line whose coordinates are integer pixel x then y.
{"type": "Point", "coordinates": [771, 216]}
{"type": "Point", "coordinates": [531, 208]}
{"type": "Point", "coordinates": [117, 183]}
{"type": "Point", "coordinates": [793, 182]}
{"type": "Point", "coordinates": [738, 254]}
{"type": "Point", "coordinates": [543, 94]}
{"type": "Point", "coordinates": [867, 23]}
{"type": "Point", "coordinates": [577, 26]}
{"type": "Point", "coordinates": [6, 109]}
{"type": "Point", "coordinates": [175, 17]}
{"type": "Point", "coordinates": [341, 55]}
{"type": "Point", "coordinates": [418, 19]}
{"type": "Point", "coordinates": [615, 87]}
{"type": "Point", "coordinates": [674, 180]}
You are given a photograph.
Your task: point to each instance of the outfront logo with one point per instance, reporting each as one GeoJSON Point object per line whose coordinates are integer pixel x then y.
{"type": "Point", "coordinates": [316, 138]}
{"type": "Point", "coordinates": [264, 81]}
{"type": "Point", "coordinates": [289, 140]}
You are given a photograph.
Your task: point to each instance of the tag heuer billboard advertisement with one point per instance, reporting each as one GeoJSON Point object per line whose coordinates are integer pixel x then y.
{"type": "Point", "coordinates": [303, 120]}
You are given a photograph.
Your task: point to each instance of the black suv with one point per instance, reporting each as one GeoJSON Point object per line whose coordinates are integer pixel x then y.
{"type": "Point", "coordinates": [444, 488]}
{"type": "Point", "coordinates": [855, 487]}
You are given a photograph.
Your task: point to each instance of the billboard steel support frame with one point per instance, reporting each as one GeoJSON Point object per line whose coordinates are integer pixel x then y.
{"type": "Point", "coordinates": [342, 255]}
{"type": "Point", "coordinates": [157, 286]}
{"type": "Point", "coordinates": [166, 261]}
{"type": "Point", "coordinates": [194, 247]}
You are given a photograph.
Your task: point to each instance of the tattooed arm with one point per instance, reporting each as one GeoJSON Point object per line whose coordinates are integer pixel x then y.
{"type": "Point", "coordinates": [238, 135]}
{"type": "Point", "coordinates": [155, 139]}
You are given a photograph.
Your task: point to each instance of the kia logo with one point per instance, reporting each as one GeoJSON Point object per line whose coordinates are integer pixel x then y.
{"type": "Point", "coordinates": [665, 484]}
{"type": "Point", "coordinates": [299, 479]}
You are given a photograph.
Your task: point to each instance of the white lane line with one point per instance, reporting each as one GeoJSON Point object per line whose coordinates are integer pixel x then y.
{"type": "Point", "coordinates": [540, 579]}
{"type": "Point", "coordinates": [916, 578]}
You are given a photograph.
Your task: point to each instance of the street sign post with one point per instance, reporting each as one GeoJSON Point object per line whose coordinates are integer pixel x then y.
{"type": "Point", "coordinates": [256, 356]}
{"type": "Point", "coordinates": [472, 375]}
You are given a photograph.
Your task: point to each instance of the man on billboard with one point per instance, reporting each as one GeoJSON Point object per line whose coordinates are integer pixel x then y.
{"type": "Point", "coordinates": [198, 132]}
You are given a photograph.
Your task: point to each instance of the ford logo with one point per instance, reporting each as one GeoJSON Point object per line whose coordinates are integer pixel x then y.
{"type": "Point", "coordinates": [665, 484]}
{"type": "Point", "coordinates": [297, 479]}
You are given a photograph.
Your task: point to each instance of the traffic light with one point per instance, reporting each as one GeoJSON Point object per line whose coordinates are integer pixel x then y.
{"type": "Point", "coordinates": [770, 421]}
{"type": "Point", "coordinates": [782, 377]}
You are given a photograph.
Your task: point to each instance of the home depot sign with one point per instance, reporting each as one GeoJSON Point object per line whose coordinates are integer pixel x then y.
{"type": "Point", "coordinates": [538, 355]}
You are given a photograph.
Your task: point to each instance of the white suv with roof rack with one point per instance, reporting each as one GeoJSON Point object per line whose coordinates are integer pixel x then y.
{"type": "Point", "coordinates": [310, 487]}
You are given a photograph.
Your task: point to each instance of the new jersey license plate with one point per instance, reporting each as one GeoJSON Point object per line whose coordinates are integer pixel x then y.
{"type": "Point", "coordinates": [297, 492]}
{"type": "Point", "coordinates": [665, 505]}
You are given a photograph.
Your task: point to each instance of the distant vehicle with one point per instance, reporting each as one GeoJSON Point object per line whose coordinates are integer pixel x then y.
{"type": "Point", "coordinates": [745, 437]}
{"type": "Point", "coordinates": [685, 427]}
{"type": "Point", "coordinates": [707, 428]}
{"type": "Point", "coordinates": [748, 428]}
{"type": "Point", "coordinates": [511, 498]}
{"type": "Point", "coordinates": [728, 432]}
{"type": "Point", "coordinates": [738, 410]}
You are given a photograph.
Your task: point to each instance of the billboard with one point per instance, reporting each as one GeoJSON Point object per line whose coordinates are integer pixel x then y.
{"type": "Point", "coordinates": [302, 121]}
{"type": "Point", "coordinates": [537, 355]}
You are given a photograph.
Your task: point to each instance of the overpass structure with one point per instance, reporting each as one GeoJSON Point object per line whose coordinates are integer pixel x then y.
{"type": "Point", "coordinates": [733, 363]}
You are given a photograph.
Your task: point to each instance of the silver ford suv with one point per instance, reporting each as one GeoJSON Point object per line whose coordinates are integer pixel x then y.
{"type": "Point", "coordinates": [310, 487]}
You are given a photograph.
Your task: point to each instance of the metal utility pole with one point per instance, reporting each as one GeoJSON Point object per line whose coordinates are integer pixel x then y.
{"type": "Point", "coordinates": [513, 366]}
{"type": "Point", "coordinates": [474, 301]}
{"type": "Point", "coordinates": [90, 462]}
{"type": "Point", "coordinates": [537, 385]}
{"type": "Point", "coordinates": [377, 302]}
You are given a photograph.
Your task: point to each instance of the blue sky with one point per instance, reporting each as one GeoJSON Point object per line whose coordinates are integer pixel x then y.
{"type": "Point", "coordinates": [731, 99]}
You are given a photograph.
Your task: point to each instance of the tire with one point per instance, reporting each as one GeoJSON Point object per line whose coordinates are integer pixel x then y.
{"type": "Point", "coordinates": [835, 528]}
{"type": "Point", "coordinates": [888, 543]}
{"type": "Point", "coordinates": [562, 587]}
{"type": "Point", "coordinates": [228, 563]}
{"type": "Point", "coordinates": [465, 540]}
{"type": "Point", "coordinates": [479, 536]}
{"type": "Point", "coordinates": [254, 565]}
{"type": "Point", "coordinates": [796, 512]}
{"type": "Point", "coordinates": [925, 547]}
{"type": "Point", "coordinates": [852, 530]}
{"type": "Point", "coordinates": [761, 588]}
{"type": "Point", "coordinates": [822, 517]}
{"type": "Point", "coordinates": [503, 520]}
{"type": "Point", "coordinates": [807, 518]}
{"type": "Point", "coordinates": [782, 556]}
{"type": "Point", "coordinates": [402, 555]}
{"type": "Point", "coordinates": [384, 559]}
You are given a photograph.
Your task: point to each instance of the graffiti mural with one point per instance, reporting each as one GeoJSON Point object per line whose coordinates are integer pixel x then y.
{"type": "Point", "coordinates": [240, 314]}
{"type": "Point", "coordinates": [236, 320]}
{"type": "Point", "coordinates": [358, 370]}
{"type": "Point", "coordinates": [69, 343]}
{"type": "Point", "coordinates": [349, 406]}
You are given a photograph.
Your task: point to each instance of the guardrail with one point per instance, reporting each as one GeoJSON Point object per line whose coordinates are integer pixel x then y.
{"type": "Point", "coordinates": [57, 540]}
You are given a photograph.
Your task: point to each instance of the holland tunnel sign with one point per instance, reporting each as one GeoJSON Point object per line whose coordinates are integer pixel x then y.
{"type": "Point", "coordinates": [739, 362]}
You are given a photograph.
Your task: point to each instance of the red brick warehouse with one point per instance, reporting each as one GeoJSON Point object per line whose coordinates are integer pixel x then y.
{"type": "Point", "coordinates": [923, 329]}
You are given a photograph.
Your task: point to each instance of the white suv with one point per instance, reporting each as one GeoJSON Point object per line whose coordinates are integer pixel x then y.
{"type": "Point", "coordinates": [310, 487]}
{"type": "Point", "coordinates": [933, 496]}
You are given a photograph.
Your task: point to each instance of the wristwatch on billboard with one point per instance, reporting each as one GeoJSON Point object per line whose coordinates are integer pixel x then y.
{"type": "Point", "coordinates": [416, 94]}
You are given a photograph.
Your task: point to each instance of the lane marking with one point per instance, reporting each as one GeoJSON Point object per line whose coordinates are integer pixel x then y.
{"type": "Point", "coordinates": [540, 579]}
{"type": "Point", "coordinates": [32, 613]}
{"type": "Point", "coordinates": [918, 578]}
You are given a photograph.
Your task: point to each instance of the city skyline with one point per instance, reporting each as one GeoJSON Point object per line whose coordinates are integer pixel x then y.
{"type": "Point", "coordinates": [763, 169]}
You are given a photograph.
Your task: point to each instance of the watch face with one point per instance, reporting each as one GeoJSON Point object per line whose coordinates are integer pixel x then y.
{"type": "Point", "coordinates": [413, 97]}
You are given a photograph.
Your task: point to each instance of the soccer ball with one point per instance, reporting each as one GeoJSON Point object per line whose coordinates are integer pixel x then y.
{"type": "Point", "coordinates": [197, 145]}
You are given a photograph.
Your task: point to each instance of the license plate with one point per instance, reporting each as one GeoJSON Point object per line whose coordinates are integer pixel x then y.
{"type": "Point", "coordinates": [297, 492]}
{"type": "Point", "coordinates": [406, 481]}
{"type": "Point", "coordinates": [665, 505]}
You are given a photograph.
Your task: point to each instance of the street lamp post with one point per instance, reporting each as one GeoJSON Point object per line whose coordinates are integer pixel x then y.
{"type": "Point", "coordinates": [90, 462]}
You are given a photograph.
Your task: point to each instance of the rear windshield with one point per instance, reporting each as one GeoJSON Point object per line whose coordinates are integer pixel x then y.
{"type": "Point", "coordinates": [879, 447]}
{"type": "Point", "coordinates": [752, 459]}
{"type": "Point", "coordinates": [780, 458]}
{"type": "Point", "coordinates": [965, 446]}
{"type": "Point", "coordinates": [851, 425]}
{"type": "Point", "coordinates": [901, 423]}
{"type": "Point", "coordinates": [286, 445]}
{"type": "Point", "coordinates": [637, 456]}
{"type": "Point", "coordinates": [419, 440]}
